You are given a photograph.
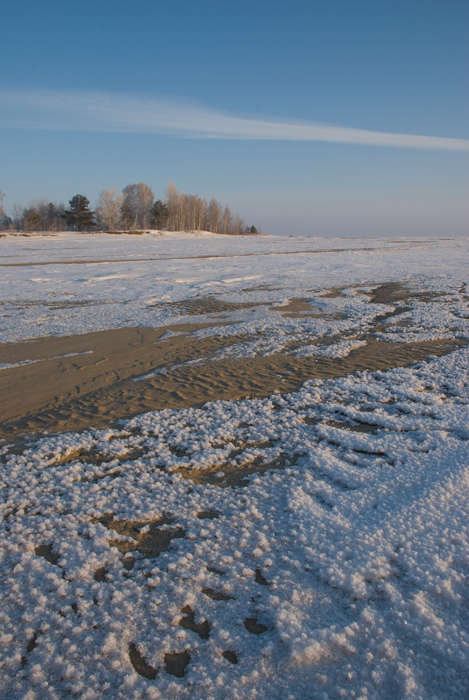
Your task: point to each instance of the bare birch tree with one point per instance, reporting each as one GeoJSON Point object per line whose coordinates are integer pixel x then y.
{"type": "Point", "coordinates": [17, 216]}
{"type": "Point", "coordinates": [238, 227]}
{"type": "Point", "coordinates": [5, 220]}
{"type": "Point", "coordinates": [214, 216]}
{"type": "Point", "coordinates": [227, 220]}
{"type": "Point", "coordinates": [44, 215]}
{"type": "Point", "coordinates": [138, 200]}
{"type": "Point", "coordinates": [191, 212]}
{"type": "Point", "coordinates": [108, 210]}
{"type": "Point", "coordinates": [172, 200]}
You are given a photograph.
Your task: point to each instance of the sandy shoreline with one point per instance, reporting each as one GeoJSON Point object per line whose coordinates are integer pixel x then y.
{"type": "Point", "coordinates": [234, 482]}
{"type": "Point", "coordinates": [76, 382]}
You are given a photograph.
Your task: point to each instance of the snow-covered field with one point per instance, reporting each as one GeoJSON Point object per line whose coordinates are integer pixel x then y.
{"type": "Point", "coordinates": [337, 569]}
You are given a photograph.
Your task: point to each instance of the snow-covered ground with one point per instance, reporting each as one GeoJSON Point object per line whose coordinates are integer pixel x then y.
{"type": "Point", "coordinates": [340, 570]}
{"type": "Point", "coordinates": [76, 283]}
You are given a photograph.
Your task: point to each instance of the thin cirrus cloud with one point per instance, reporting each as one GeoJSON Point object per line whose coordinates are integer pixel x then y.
{"type": "Point", "coordinates": [93, 111]}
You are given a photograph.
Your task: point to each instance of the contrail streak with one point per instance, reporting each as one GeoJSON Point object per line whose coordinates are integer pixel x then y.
{"type": "Point", "coordinates": [89, 111]}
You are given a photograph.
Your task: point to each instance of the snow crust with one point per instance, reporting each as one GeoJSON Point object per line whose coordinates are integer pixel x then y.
{"type": "Point", "coordinates": [74, 283]}
{"type": "Point", "coordinates": [350, 553]}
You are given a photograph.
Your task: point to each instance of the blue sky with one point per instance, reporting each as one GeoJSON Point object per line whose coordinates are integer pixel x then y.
{"type": "Point", "coordinates": [225, 100]}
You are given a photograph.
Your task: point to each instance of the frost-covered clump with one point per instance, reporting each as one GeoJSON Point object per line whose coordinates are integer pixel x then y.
{"type": "Point", "coordinates": [336, 350]}
{"type": "Point", "coordinates": [339, 568]}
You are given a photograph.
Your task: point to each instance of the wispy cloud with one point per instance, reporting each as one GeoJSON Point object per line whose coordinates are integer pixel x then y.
{"type": "Point", "coordinates": [88, 111]}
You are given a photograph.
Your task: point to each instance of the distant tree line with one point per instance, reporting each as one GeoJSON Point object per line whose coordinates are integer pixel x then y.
{"type": "Point", "coordinates": [134, 208]}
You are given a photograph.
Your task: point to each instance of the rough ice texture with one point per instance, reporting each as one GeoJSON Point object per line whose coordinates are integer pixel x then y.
{"type": "Point", "coordinates": [342, 574]}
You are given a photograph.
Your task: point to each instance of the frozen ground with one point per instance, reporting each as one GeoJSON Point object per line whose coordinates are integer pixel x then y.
{"type": "Point", "coordinates": [340, 570]}
{"type": "Point", "coordinates": [75, 283]}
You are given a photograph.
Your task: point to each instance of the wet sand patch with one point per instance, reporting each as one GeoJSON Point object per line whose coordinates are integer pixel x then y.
{"type": "Point", "coordinates": [75, 382]}
{"type": "Point", "coordinates": [396, 293]}
{"type": "Point", "coordinates": [55, 372]}
{"type": "Point", "coordinates": [45, 550]}
{"type": "Point", "coordinates": [390, 293]}
{"type": "Point", "coordinates": [188, 623]}
{"type": "Point", "coordinates": [148, 537]}
{"type": "Point", "coordinates": [175, 663]}
{"type": "Point", "coordinates": [227, 475]}
{"type": "Point", "coordinates": [332, 293]}
{"type": "Point", "coordinates": [140, 665]}
{"type": "Point", "coordinates": [22, 304]}
{"type": "Point", "coordinates": [206, 305]}
{"type": "Point", "coordinates": [89, 390]}
{"type": "Point", "coordinates": [298, 308]}
{"type": "Point", "coordinates": [261, 288]}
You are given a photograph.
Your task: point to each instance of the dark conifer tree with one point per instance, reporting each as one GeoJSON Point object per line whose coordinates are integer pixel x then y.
{"type": "Point", "coordinates": [80, 217]}
{"type": "Point", "coordinates": [159, 215]}
{"type": "Point", "coordinates": [31, 220]}
{"type": "Point", "coordinates": [127, 217]}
